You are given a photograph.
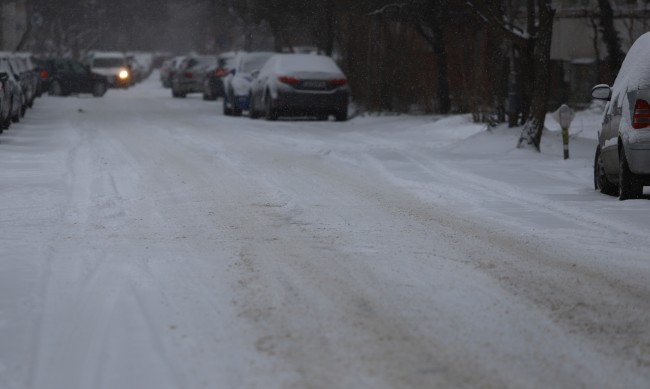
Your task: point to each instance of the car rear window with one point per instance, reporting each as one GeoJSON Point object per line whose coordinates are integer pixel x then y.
{"type": "Point", "coordinates": [307, 62]}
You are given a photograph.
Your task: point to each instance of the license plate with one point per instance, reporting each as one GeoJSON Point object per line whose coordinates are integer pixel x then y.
{"type": "Point", "coordinates": [314, 84]}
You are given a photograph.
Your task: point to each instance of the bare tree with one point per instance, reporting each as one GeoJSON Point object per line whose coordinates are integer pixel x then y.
{"type": "Point", "coordinates": [610, 36]}
{"type": "Point", "coordinates": [534, 45]}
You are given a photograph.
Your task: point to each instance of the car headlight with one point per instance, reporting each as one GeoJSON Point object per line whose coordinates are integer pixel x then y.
{"type": "Point", "coordinates": [123, 74]}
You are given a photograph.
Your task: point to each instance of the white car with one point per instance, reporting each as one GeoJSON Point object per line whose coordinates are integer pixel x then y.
{"type": "Point", "coordinates": [113, 65]}
{"type": "Point", "coordinates": [622, 160]}
{"type": "Point", "coordinates": [300, 85]}
{"type": "Point", "coordinates": [237, 83]}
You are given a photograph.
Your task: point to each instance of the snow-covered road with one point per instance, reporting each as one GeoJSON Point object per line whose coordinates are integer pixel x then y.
{"type": "Point", "coordinates": [150, 242]}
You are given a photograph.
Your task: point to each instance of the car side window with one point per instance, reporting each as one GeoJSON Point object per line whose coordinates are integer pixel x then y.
{"type": "Point", "coordinates": [77, 68]}
{"type": "Point", "coordinates": [61, 66]}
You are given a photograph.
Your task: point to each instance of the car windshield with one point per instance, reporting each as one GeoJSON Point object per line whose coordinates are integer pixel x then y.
{"type": "Point", "coordinates": [114, 62]}
{"type": "Point", "coordinates": [254, 62]}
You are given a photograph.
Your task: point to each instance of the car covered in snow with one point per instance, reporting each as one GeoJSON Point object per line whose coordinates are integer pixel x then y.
{"type": "Point", "coordinates": [14, 94]}
{"type": "Point", "coordinates": [300, 85]}
{"type": "Point", "coordinates": [237, 83]}
{"type": "Point", "coordinates": [188, 77]}
{"type": "Point", "coordinates": [213, 77]}
{"type": "Point", "coordinates": [113, 65]}
{"type": "Point", "coordinates": [622, 158]}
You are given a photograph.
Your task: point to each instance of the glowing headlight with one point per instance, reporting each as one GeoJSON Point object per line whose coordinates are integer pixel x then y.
{"type": "Point", "coordinates": [123, 74]}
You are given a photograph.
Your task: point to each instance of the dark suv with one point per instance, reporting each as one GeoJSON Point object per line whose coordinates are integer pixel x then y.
{"type": "Point", "coordinates": [67, 76]}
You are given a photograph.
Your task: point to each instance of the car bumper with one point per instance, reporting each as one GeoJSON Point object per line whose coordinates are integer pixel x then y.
{"type": "Point", "coordinates": [116, 82]}
{"type": "Point", "coordinates": [638, 158]}
{"type": "Point", "coordinates": [187, 86]}
{"type": "Point", "coordinates": [311, 103]}
{"type": "Point", "coordinates": [242, 102]}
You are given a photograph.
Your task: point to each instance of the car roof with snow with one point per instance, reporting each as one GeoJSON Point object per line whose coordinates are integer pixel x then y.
{"type": "Point", "coordinates": [634, 73]}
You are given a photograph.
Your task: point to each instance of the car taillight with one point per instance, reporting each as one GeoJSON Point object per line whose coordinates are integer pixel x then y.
{"type": "Point", "coordinates": [641, 117]}
{"type": "Point", "coordinates": [220, 72]}
{"type": "Point", "coordinates": [188, 75]}
{"type": "Point", "coordinates": [288, 80]}
{"type": "Point", "coordinates": [340, 82]}
{"type": "Point", "coordinates": [44, 74]}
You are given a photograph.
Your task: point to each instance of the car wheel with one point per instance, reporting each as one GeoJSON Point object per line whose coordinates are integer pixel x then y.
{"type": "Point", "coordinates": [208, 93]}
{"type": "Point", "coordinates": [226, 110]}
{"type": "Point", "coordinates": [56, 89]}
{"type": "Point", "coordinates": [600, 178]}
{"type": "Point", "coordinates": [252, 113]}
{"type": "Point", "coordinates": [6, 123]}
{"type": "Point", "coordinates": [629, 186]}
{"type": "Point", "coordinates": [271, 113]}
{"type": "Point", "coordinates": [99, 89]}
{"type": "Point", "coordinates": [341, 116]}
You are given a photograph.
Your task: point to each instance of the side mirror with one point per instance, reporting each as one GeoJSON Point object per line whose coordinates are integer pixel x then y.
{"type": "Point", "coordinates": [601, 92]}
{"type": "Point", "coordinates": [3, 76]}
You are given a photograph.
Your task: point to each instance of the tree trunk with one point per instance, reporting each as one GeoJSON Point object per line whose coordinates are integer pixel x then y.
{"type": "Point", "coordinates": [610, 36]}
{"type": "Point", "coordinates": [442, 80]}
{"type": "Point", "coordinates": [531, 134]}
{"type": "Point", "coordinates": [329, 27]}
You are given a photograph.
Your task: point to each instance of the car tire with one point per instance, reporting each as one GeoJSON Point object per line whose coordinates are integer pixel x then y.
{"type": "Point", "coordinates": [99, 89]}
{"type": "Point", "coordinates": [56, 88]}
{"type": "Point", "coordinates": [6, 123]}
{"type": "Point", "coordinates": [270, 113]}
{"type": "Point", "coordinates": [252, 112]}
{"type": "Point", "coordinates": [227, 111]}
{"type": "Point", "coordinates": [600, 178]}
{"type": "Point", "coordinates": [341, 116]}
{"type": "Point", "coordinates": [177, 94]}
{"type": "Point", "coordinates": [629, 186]}
{"type": "Point", "coordinates": [208, 93]}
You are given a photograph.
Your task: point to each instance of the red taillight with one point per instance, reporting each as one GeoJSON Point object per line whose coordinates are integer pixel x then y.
{"type": "Point", "coordinates": [288, 80]}
{"type": "Point", "coordinates": [44, 74]}
{"type": "Point", "coordinates": [641, 117]}
{"type": "Point", "coordinates": [188, 75]}
{"type": "Point", "coordinates": [340, 82]}
{"type": "Point", "coordinates": [220, 72]}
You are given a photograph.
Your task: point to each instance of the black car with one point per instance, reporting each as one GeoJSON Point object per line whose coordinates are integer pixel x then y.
{"type": "Point", "coordinates": [67, 76]}
{"type": "Point", "coordinates": [213, 78]}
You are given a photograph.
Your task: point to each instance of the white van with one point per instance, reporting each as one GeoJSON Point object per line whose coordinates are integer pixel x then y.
{"type": "Point", "coordinates": [113, 65]}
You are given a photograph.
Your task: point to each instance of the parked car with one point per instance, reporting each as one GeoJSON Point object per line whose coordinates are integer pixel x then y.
{"type": "Point", "coordinates": [237, 83]}
{"type": "Point", "coordinates": [67, 76]}
{"type": "Point", "coordinates": [18, 99]}
{"type": "Point", "coordinates": [622, 159]}
{"type": "Point", "coordinates": [5, 101]}
{"type": "Point", "coordinates": [168, 69]}
{"type": "Point", "coordinates": [190, 73]}
{"type": "Point", "coordinates": [29, 67]}
{"type": "Point", "coordinates": [213, 78]}
{"type": "Point", "coordinates": [300, 85]}
{"type": "Point", "coordinates": [23, 77]}
{"type": "Point", "coordinates": [113, 65]}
